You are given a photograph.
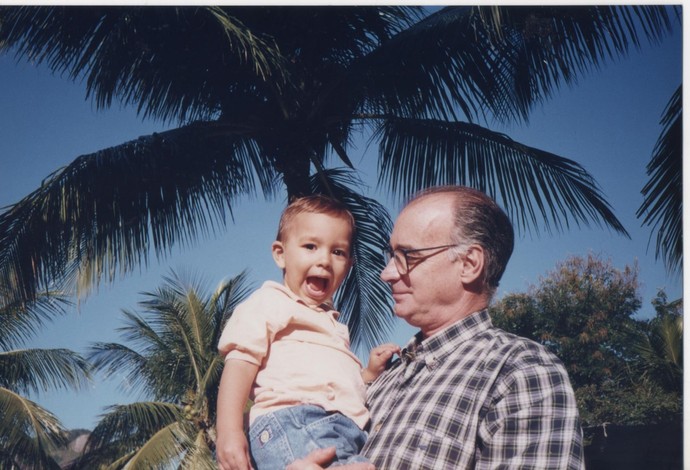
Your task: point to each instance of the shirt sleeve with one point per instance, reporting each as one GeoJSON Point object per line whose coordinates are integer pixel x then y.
{"type": "Point", "coordinates": [533, 423]}
{"type": "Point", "coordinates": [250, 330]}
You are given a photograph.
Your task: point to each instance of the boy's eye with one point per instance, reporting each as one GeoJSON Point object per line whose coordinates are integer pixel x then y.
{"type": "Point", "coordinates": [340, 252]}
{"type": "Point", "coordinates": [310, 246]}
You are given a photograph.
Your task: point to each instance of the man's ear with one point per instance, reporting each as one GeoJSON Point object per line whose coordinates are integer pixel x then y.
{"type": "Point", "coordinates": [278, 254]}
{"type": "Point", "coordinates": [473, 264]}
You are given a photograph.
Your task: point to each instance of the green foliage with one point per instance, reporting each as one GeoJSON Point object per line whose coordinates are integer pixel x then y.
{"type": "Point", "coordinates": [172, 358]}
{"type": "Point", "coordinates": [631, 402]}
{"type": "Point", "coordinates": [660, 345]}
{"type": "Point", "coordinates": [29, 432]}
{"type": "Point", "coordinates": [624, 370]}
{"type": "Point", "coordinates": [582, 311]}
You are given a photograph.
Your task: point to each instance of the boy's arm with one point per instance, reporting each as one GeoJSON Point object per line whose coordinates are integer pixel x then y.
{"type": "Point", "coordinates": [231, 445]}
{"type": "Point", "coordinates": [377, 361]}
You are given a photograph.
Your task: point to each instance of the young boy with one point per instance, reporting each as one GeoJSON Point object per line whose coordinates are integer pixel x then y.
{"type": "Point", "coordinates": [285, 350]}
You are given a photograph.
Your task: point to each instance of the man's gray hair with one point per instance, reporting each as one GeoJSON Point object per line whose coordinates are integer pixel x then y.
{"type": "Point", "coordinates": [479, 220]}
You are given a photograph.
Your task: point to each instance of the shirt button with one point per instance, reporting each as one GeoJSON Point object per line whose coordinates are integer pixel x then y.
{"type": "Point", "coordinates": [264, 436]}
{"type": "Point", "coordinates": [377, 427]}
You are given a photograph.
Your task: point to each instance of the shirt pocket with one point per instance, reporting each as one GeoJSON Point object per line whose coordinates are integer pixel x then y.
{"type": "Point", "coordinates": [433, 451]}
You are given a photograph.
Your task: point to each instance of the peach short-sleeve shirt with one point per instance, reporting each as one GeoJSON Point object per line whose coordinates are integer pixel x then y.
{"type": "Point", "coordinates": [303, 354]}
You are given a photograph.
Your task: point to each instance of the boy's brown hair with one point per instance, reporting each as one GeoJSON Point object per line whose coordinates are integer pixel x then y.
{"type": "Point", "coordinates": [315, 204]}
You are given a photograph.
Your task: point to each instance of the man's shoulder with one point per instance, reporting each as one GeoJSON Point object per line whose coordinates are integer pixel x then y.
{"type": "Point", "coordinates": [520, 351]}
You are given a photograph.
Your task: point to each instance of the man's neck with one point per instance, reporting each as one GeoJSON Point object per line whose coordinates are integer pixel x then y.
{"type": "Point", "coordinates": [469, 303]}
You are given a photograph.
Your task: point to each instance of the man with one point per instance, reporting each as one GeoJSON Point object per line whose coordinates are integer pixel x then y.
{"type": "Point", "coordinates": [464, 395]}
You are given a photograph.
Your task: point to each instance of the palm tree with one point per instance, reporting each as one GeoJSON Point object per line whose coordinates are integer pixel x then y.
{"type": "Point", "coordinates": [264, 96]}
{"type": "Point", "coordinates": [662, 208]}
{"type": "Point", "coordinates": [660, 345]}
{"type": "Point", "coordinates": [173, 359]}
{"type": "Point", "coordinates": [28, 432]}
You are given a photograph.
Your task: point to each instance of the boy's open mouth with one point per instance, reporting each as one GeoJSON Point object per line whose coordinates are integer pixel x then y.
{"type": "Point", "coordinates": [317, 285]}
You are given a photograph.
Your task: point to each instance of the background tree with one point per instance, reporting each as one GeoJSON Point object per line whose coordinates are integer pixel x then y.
{"type": "Point", "coordinates": [660, 345]}
{"type": "Point", "coordinates": [173, 359]}
{"type": "Point", "coordinates": [265, 95]}
{"type": "Point", "coordinates": [29, 432]}
{"type": "Point", "coordinates": [584, 312]}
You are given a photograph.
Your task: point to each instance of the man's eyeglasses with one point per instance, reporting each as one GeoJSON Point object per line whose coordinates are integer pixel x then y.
{"type": "Point", "coordinates": [402, 262]}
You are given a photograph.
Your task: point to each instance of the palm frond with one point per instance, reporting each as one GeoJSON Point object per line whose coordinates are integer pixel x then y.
{"type": "Point", "coordinates": [164, 446]}
{"type": "Point", "coordinates": [117, 360]}
{"type": "Point", "coordinates": [199, 456]}
{"type": "Point", "coordinates": [155, 58]}
{"type": "Point", "coordinates": [499, 59]}
{"type": "Point", "coordinates": [157, 364]}
{"type": "Point", "coordinates": [38, 370]}
{"type": "Point", "coordinates": [28, 432]}
{"type": "Point", "coordinates": [363, 299]}
{"type": "Point", "coordinates": [105, 211]}
{"type": "Point", "coordinates": [662, 208]}
{"type": "Point", "coordinates": [141, 331]}
{"type": "Point", "coordinates": [182, 314]}
{"type": "Point", "coordinates": [228, 295]}
{"type": "Point", "coordinates": [20, 321]}
{"type": "Point", "coordinates": [124, 429]}
{"type": "Point", "coordinates": [209, 385]}
{"type": "Point", "coordinates": [534, 186]}
{"type": "Point", "coordinates": [535, 49]}
{"type": "Point", "coordinates": [416, 72]}
{"type": "Point", "coordinates": [661, 351]}
{"type": "Point", "coordinates": [178, 311]}
{"type": "Point", "coordinates": [132, 422]}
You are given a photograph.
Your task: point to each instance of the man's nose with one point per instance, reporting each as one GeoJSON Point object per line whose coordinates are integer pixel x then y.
{"type": "Point", "coordinates": [390, 272]}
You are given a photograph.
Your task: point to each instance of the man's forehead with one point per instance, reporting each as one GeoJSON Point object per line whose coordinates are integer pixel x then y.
{"type": "Point", "coordinates": [431, 207]}
{"type": "Point", "coordinates": [434, 199]}
{"type": "Point", "coordinates": [421, 222]}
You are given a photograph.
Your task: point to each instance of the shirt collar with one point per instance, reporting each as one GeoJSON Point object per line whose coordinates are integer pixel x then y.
{"type": "Point", "coordinates": [326, 307]}
{"type": "Point", "coordinates": [432, 350]}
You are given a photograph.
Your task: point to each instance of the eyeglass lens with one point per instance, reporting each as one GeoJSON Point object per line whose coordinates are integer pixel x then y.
{"type": "Point", "coordinates": [398, 258]}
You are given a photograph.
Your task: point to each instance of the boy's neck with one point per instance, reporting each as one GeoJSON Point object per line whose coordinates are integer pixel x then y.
{"type": "Point", "coordinates": [322, 307]}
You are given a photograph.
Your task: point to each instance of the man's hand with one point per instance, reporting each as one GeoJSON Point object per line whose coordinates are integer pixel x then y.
{"type": "Point", "coordinates": [319, 457]}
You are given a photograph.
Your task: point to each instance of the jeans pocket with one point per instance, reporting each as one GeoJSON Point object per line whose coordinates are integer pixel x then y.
{"type": "Point", "coordinates": [338, 431]}
{"type": "Point", "coordinates": [269, 445]}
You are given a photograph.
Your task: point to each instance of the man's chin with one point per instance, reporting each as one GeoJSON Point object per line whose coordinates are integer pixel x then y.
{"type": "Point", "coordinates": [399, 312]}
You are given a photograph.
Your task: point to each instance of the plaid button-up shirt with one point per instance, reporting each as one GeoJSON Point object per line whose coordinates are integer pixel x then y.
{"type": "Point", "coordinates": [474, 397]}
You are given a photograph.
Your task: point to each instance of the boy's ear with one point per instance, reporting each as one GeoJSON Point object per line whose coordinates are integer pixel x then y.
{"type": "Point", "coordinates": [278, 254]}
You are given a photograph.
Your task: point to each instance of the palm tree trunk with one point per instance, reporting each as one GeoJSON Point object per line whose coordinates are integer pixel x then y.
{"type": "Point", "coordinates": [294, 164]}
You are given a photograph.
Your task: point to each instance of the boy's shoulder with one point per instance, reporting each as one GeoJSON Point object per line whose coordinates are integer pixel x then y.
{"type": "Point", "coordinates": [270, 292]}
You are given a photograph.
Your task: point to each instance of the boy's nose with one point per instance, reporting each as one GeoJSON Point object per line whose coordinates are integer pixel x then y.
{"type": "Point", "coordinates": [324, 258]}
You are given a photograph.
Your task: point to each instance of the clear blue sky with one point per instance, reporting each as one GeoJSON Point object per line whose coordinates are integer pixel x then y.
{"type": "Point", "coordinates": [609, 123]}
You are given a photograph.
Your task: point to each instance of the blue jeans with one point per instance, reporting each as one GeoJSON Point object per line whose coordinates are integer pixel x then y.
{"type": "Point", "coordinates": [278, 439]}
